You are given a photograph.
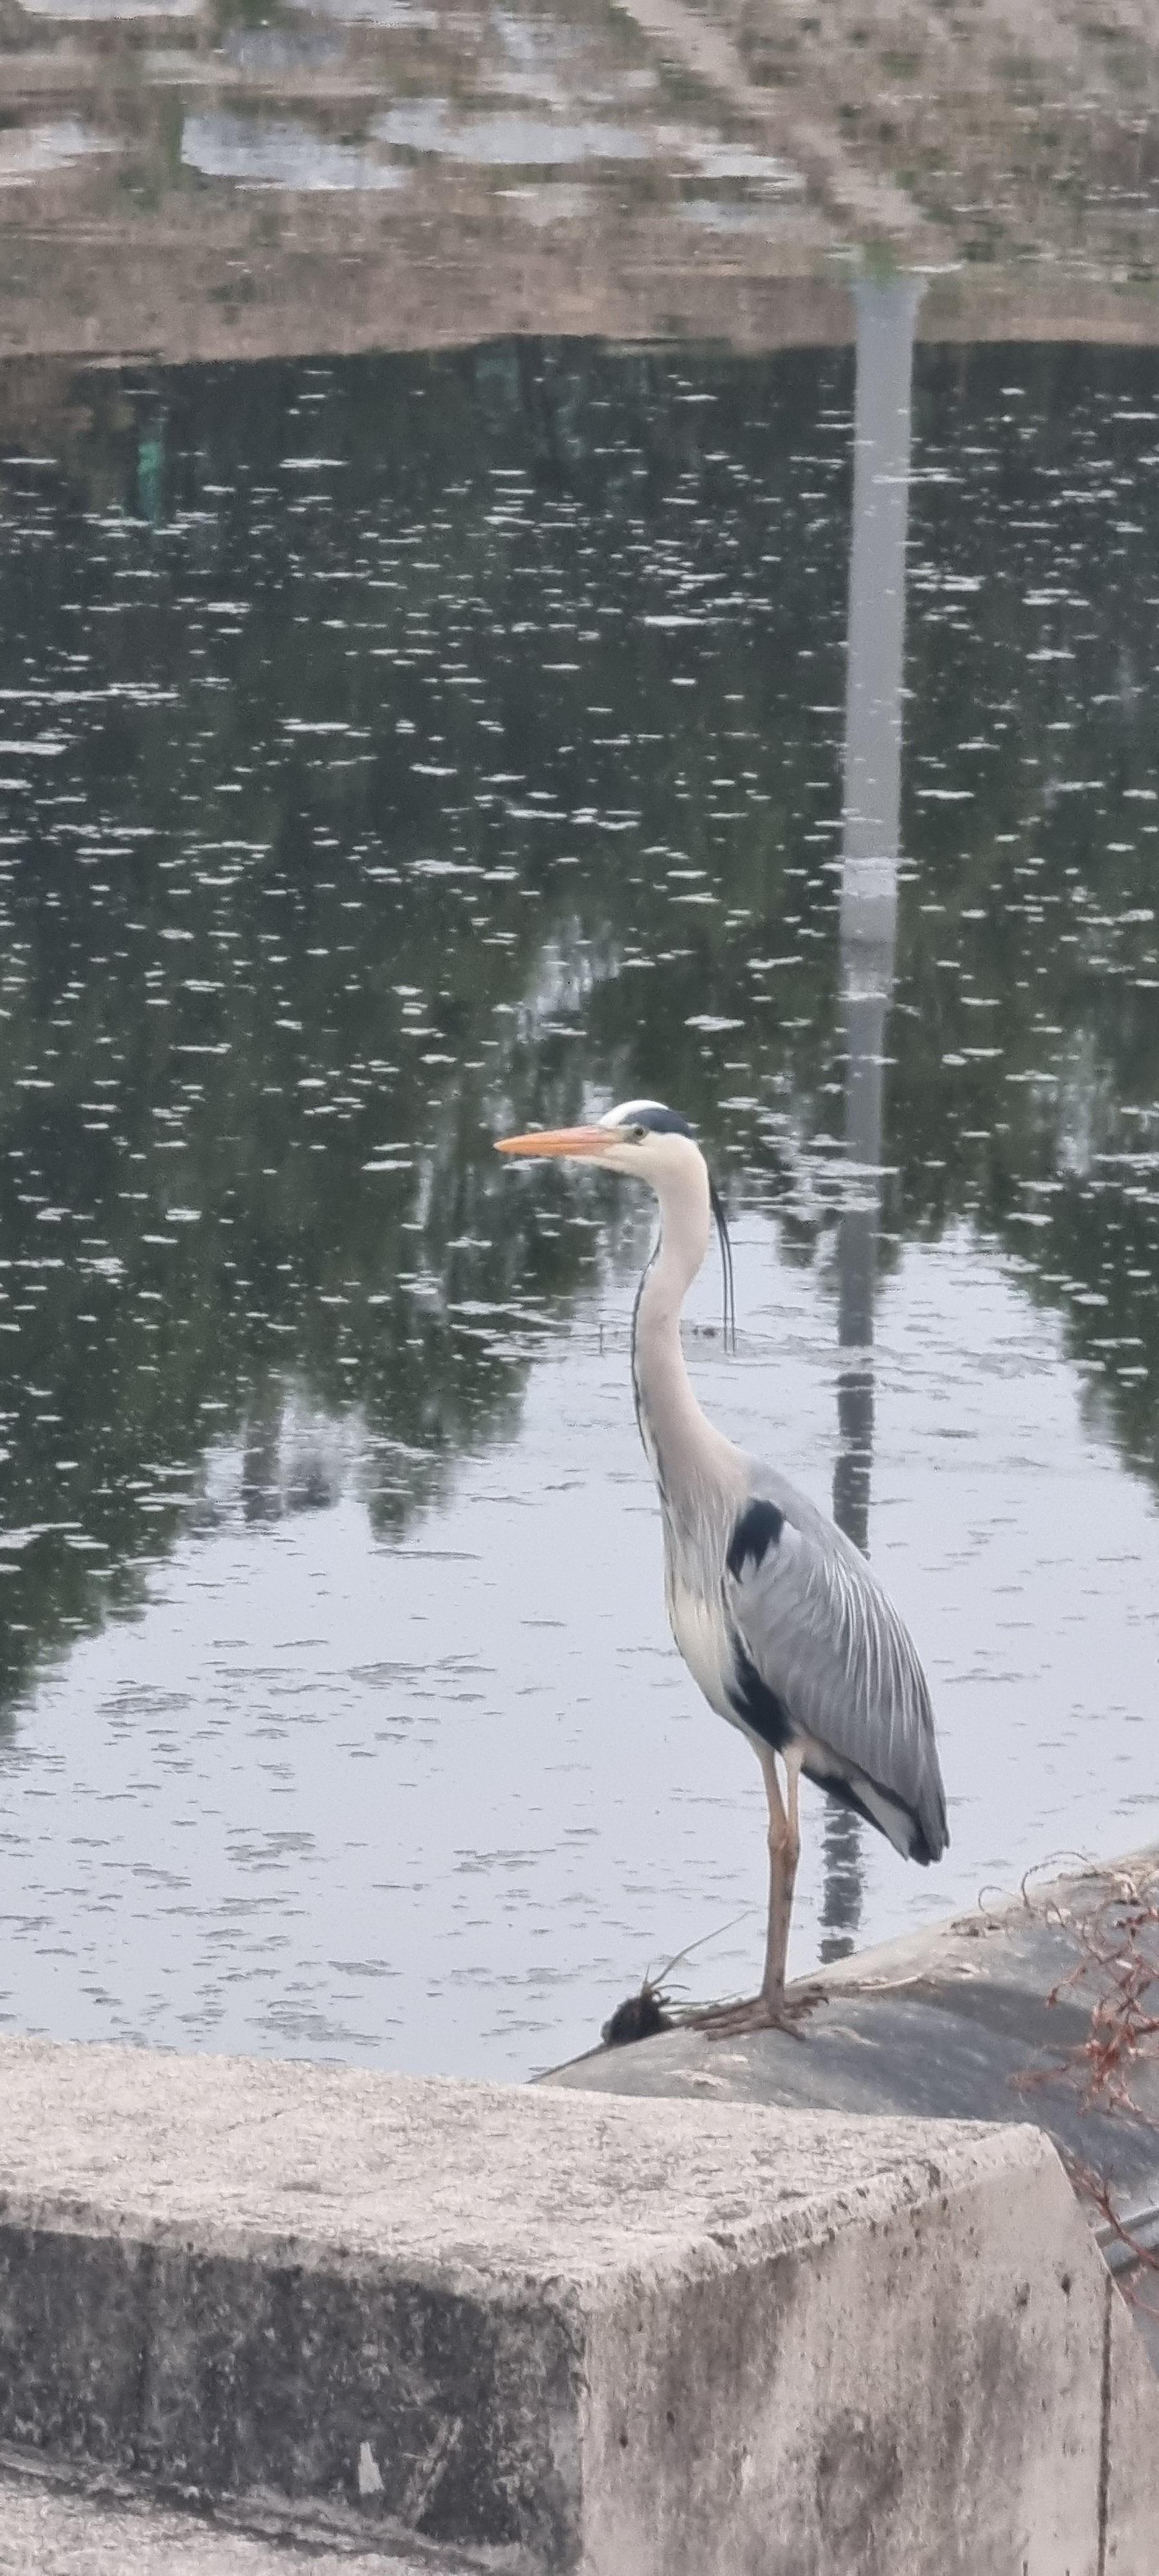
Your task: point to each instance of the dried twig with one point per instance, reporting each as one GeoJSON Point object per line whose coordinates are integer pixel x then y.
{"type": "Point", "coordinates": [1118, 1945]}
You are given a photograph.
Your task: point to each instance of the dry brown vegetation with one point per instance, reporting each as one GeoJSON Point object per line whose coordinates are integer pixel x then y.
{"type": "Point", "coordinates": [1116, 2065]}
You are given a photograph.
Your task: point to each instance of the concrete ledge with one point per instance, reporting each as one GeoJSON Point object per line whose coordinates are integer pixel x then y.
{"type": "Point", "coordinates": [555, 2332]}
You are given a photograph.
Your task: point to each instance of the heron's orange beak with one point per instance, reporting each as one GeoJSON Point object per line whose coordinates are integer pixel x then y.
{"type": "Point", "coordinates": [558, 1140]}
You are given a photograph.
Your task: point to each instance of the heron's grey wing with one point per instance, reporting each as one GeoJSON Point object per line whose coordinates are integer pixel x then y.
{"type": "Point", "coordinates": [823, 1638]}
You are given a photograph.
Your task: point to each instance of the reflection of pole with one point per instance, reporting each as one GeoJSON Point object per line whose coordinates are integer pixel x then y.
{"type": "Point", "coordinates": [151, 471]}
{"type": "Point", "coordinates": [873, 732]}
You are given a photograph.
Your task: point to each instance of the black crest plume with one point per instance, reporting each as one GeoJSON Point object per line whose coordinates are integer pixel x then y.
{"type": "Point", "coordinates": [728, 1281]}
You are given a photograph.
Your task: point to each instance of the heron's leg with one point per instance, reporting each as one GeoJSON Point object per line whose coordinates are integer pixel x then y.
{"type": "Point", "coordinates": [784, 1853]}
{"type": "Point", "coordinates": [772, 2009]}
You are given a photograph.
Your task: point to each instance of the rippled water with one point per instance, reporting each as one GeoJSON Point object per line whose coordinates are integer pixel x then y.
{"type": "Point", "coordinates": [398, 750]}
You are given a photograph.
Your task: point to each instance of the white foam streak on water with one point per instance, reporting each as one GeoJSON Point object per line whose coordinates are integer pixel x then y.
{"type": "Point", "coordinates": [438, 1805]}
{"type": "Point", "coordinates": [95, 11]}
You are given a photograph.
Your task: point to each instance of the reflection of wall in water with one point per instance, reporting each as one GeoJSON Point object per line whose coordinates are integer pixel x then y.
{"type": "Point", "coordinates": [345, 174]}
{"type": "Point", "coordinates": [873, 701]}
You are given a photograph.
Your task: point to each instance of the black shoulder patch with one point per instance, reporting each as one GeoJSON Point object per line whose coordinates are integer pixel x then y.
{"type": "Point", "coordinates": [758, 1529]}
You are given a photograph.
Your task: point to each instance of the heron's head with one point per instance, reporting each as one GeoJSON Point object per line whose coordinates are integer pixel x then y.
{"type": "Point", "coordinates": [640, 1138]}
{"type": "Point", "coordinates": [646, 1142]}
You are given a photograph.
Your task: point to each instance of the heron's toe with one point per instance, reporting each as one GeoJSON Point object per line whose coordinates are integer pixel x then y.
{"type": "Point", "coordinates": [760, 2012]}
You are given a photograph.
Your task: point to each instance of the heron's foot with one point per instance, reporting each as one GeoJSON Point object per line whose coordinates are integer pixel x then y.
{"type": "Point", "coordinates": [761, 2012]}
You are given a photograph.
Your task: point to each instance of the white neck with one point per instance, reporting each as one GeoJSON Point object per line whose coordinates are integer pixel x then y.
{"type": "Point", "coordinates": [680, 1440]}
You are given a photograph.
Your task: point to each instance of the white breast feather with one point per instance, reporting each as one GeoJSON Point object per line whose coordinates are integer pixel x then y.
{"type": "Point", "coordinates": [701, 1632]}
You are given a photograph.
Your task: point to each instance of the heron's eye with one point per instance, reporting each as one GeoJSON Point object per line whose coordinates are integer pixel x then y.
{"type": "Point", "coordinates": [636, 1135]}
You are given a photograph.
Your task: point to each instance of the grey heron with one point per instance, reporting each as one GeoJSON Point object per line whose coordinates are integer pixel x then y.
{"type": "Point", "coordinates": [776, 1613]}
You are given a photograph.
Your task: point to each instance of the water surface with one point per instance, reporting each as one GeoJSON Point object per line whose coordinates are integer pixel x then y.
{"type": "Point", "coordinates": [396, 751]}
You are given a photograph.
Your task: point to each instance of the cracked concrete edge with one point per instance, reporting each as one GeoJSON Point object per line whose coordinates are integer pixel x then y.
{"type": "Point", "coordinates": [345, 2169]}
{"type": "Point", "coordinates": [939, 2157]}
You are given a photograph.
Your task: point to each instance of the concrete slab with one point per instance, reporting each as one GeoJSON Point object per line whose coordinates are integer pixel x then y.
{"type": "Point", "coordinates": [624, 2338]}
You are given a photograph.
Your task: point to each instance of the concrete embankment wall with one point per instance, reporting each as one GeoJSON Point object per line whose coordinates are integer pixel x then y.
{"type": "Point", "coordinates": [540, 2331]}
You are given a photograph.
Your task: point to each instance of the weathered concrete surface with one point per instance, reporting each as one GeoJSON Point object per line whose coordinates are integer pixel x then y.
{"type": "Point", "coordinates": [51, 2529]}
{"type": "Point", "coordinates": [944, 2024]}
{"type": "Point", "coordinates": [623, 2338]}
